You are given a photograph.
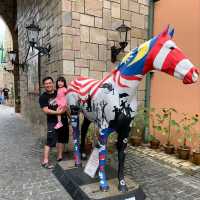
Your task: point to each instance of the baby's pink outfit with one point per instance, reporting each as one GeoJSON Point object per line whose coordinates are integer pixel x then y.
{"type": "Point", "coordinates": [61, 97]}
{"type": "Point", "coordinates": [61, 102]}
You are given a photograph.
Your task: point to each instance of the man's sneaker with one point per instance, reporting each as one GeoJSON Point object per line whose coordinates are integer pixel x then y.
{"type": "Point", "coordinates": [58, 125]}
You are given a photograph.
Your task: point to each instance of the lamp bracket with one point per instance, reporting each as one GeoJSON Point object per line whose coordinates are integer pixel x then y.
{"type": "Point", "coordinates": [44, 50]}
{"type": "Point", "coordinates": [9, 70]}
{"type": "Point", "coordinates": [115, 51]}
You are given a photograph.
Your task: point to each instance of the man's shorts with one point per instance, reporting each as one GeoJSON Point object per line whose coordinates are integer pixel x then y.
{"type": "Point", "coordinates": [57, 136]}
{"type": "Point", "coordinates": [51, 135]}
{"type": "Point", "coordinates": [63, 133]}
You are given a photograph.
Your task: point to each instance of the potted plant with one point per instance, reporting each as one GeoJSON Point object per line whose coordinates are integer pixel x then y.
{"type": "Point", "coordinates": [138, 127]}
{"type": "Point", "coordinates": [186, 124]}
{"type": "Point", "coordinates": [89, 139]}
{"type": "Point", "coordinates": [136, 139]}
{"type": "Point", "coordinates": [112, 143]}
{"type": "Point", "coordinates": [196, 155]}
{"type": "Point", "coordinates": [164, 126]}
{"type": "Point", "coordinates": [154, 142]}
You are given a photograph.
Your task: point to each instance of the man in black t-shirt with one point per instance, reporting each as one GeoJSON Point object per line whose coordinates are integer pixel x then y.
{"type": "Point", "coordinates": [57, 137]}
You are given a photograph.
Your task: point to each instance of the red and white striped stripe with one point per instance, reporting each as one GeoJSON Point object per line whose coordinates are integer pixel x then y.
{"type": "Point", "coordinates": [120, 79]}
{"type": "Point", "coordinates": [84, 86]}
{"type": "Point", "coordinates": [172, 61]}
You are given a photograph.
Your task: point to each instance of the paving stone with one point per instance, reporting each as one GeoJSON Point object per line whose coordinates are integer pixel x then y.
{"type": "Point", "coordinates": [159, 181]}
{"type": "Point", "coordinates": [186, 164]}
{"type": "Point", "coordinates": [169, 159]}
{"type": "Point", "coordinates": [195, 168]}
{"type": "Point", "coordinates": [21, 176]}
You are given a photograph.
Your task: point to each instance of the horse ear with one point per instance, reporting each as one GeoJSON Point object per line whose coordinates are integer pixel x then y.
{"type": "Point", "coordinates": [171, 32]}
{"type": "Point", "coordinates": [168, 31]}
{"type": "Point", "coordinates": [165, 31]}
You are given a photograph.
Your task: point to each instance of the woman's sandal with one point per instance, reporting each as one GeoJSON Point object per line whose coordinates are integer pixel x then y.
{"type": "Point", "coordinates": [47, 166]}
{"type": "Point", "coordinates": [59, 159]}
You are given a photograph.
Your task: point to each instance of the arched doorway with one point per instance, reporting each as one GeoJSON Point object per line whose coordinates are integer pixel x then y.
{"type": "Point", "coordinates": [8, 12]}
{"type": "Point", "coordinates": [6, 68]}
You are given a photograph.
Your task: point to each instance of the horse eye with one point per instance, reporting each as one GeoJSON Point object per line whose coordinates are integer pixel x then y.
{"type": "Point", "coordinates": [172, 48]}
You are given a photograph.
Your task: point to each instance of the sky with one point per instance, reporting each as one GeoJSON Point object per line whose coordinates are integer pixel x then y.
{"type": "Point", "coordinates": [2, 34]}
{"type": "Point", "coordinates": [2, 29]}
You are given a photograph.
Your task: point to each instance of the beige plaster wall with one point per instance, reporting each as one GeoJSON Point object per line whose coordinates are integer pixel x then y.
{"type": "Point", "coordinates": [166, 91]}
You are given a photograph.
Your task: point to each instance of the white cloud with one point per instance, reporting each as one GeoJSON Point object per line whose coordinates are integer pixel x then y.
{"type": "Point", "coordinates": [2, 29]}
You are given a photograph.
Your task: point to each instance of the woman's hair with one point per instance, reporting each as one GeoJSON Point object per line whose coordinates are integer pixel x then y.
{"type": "Point", "coordinates": [62, 79]}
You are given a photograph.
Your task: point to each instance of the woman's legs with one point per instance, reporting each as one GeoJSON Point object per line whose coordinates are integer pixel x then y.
{"type": "Point", "coordinates": [60, 150]}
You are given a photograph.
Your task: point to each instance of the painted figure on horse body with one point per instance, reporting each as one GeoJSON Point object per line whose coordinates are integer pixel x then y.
{"type": "Point", "coordinates": [111, 103]}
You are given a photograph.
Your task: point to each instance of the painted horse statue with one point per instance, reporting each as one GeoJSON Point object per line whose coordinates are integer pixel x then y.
{"type": "Point", "coordinates": [111, 103]}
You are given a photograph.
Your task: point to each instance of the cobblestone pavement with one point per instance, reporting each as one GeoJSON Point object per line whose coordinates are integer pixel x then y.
{"type": "Point", "coordinates": [161, 182]}
{"type": "Point", "coordinates": [172, 160]}
{"type": "Point", "coordinates": [21, 176]}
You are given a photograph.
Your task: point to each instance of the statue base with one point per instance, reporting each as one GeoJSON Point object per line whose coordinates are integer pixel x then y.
{"type": "Point", "coordinates": [82, 187]}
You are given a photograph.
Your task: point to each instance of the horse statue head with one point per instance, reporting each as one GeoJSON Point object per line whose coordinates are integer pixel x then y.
{"type": "Point", "coordinates": [159, 53]}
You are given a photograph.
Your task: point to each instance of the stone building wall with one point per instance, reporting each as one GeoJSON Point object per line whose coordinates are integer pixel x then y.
{"type": "Point", "coordinates": [81, 33]}
{"type": "Point", "coordinates": [89, 32]}
{"type": "Point", "coordinates": [47, 14]}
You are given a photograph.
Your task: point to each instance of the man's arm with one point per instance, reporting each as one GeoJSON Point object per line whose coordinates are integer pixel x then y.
{"type": "Point", "coordinates": [53, 112]}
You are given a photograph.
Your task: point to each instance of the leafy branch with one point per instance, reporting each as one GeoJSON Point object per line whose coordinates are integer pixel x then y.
{"type": "Point", "coordinates": [165, 122]}
{"type": "Point", "coordinates": [187, 123]}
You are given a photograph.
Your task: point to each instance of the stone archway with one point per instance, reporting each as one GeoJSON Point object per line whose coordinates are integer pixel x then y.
{"type": "Point", "coordinates": [8, 11]}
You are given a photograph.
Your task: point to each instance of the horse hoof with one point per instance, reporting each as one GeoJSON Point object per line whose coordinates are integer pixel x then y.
{"type": "Point", "coordinates": [78, 165]}
{"type": "Point", "coordinates": [104, 188]}
{"type": "Point", "coordinates": [122, 188]}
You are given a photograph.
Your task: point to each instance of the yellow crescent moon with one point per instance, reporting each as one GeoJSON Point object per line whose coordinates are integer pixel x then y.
{"type": "Point", "coordinates": [142, 51]}
{"type": "Point", "coordinates": [126, 57]}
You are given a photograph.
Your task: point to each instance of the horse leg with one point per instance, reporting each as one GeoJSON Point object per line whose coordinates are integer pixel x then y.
{"type": "Point", "coordinates": [121, 146]}
{"type": "Point", "coordinates": [103, 137]}
{"type": "Point", "coordinates": [84, 128]}
{"type": "Point", "coordinates": [76, 136]}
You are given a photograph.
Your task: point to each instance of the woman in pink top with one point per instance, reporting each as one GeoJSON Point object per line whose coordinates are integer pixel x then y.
{"type": "Point", "coordinates": [61, 87]}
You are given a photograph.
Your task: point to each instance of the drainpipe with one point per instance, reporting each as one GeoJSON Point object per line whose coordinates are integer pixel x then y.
{"type": "Point", "coordinates": [149, 75]}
